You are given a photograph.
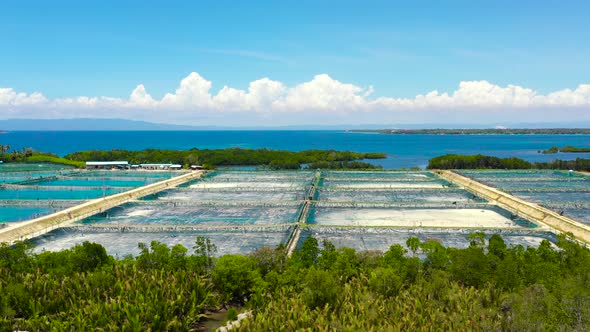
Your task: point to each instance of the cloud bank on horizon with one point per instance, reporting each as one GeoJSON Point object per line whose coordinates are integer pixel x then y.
{"type": "Point", "coordinates": [321, 99]}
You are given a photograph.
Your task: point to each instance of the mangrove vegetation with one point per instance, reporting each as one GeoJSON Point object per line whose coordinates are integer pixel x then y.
{"type": "Point", "coordinates": [567, 148]}
{"type": "Point", "coordinates": [273, 159]}
{"type": "Point", "coordinates": [29, 155]}
{"type": "Point", "coordinates": [453, 161]}
{"type": "Point", "coordinates": [421, 286]}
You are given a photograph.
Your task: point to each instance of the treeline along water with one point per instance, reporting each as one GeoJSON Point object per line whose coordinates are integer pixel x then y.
{"type": "Point", "coordinates": [403, 150]}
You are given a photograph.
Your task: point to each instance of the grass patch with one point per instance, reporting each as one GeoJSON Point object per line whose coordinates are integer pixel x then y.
{"type": "Point", "coordinates": [55, 160]}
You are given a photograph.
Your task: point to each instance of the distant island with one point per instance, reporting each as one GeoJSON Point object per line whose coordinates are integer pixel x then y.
{"type": "Point", "coordinates": [568, 148]}
{"type": "Point", "coordinates": [454, 161]}
{"type": "Point", "coordinates": [507, 131]}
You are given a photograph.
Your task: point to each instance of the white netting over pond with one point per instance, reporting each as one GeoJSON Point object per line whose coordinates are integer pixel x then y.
{"type": "Point", "coordinates": [401, 195]}
{"type": "Point", "coordinates": [239, 195]}
{"type": "Point", "coordinates": [17, 177]}
{"type": "Point", "coordinates": [483, 217]}
{"type": "Point", "coordinates": [119, 244]}
{"type": "Point", "coordinates": [516, 174]}
{"type": "Point", "coordinates": [29, 191]}
{"type": "Point", "coordinates": [236, 180]}
{"type": "Point", "coordinates": [567, 193]}
{"type": "Point", "coordinates": [264, 176]}
{"type": "Point", "coordinates": [377, 174]}
{"type": "Point", "coordinates": [421, 178]}
{"type": "Point", "coordinates": [529, 179]}
{"type": "Point", "coordinates": [31, 167]}
{"type": "Point", "coordinates": [195, 214]}
{"type": "Point", "coordinates": [402, 205]}
{"type": "Point", "coordinates": [383, 180]}
{"type": "Point", "coordinates": [382, 238]}
{"type": "Point", "coordinates": [244, 184]}
{"type": "Point", "coordinates": [242, 210]}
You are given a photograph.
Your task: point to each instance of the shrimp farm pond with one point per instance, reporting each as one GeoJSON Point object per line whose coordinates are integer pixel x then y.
{"type": "Point", "coordinates": [242, 210]}
{"type": "Point", "coordinates": [29, 191]}
{"type": "Point", "coordinates": [565, 192]}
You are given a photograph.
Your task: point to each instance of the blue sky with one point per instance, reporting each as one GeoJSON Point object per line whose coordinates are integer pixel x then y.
{"type": "Point", "coordinates": [401, 49]}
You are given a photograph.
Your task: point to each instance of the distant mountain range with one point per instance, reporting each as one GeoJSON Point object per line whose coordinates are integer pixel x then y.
{"type": "Point", "coordinates": [132, 125]}
{"type": "Point", "coordinates": [87, 124]}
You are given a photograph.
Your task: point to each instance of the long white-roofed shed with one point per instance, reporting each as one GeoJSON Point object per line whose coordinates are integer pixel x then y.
{"type": "Point", "coordinates": [160, 166]}
{"type": "Point", "coordinates": [106, 164]}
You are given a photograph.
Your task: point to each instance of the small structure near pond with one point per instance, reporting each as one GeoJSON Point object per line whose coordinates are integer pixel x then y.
{"type": "Point", "coordinates": [107, 164]}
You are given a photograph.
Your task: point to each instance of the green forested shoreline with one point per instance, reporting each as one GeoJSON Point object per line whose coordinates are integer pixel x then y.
{"type": "Point", "coordinates": [281, 159]}
{"type": "Point", "coordinates": [453, 161]}
{"type": "Point", "coordinates": [422, 286]}
{"type": "Point", "coordinates": [274, 159]}
{"type": "Point", "coordinates": [567, 148]}
{"type": "Point", "coordinates": [30, 155]}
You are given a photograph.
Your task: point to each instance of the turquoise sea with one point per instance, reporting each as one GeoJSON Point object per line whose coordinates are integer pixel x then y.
{"type": "Point", "coordinates": [402, 150]}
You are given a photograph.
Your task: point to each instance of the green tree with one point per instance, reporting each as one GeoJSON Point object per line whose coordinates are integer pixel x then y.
{"type": "Point", "coordinates": [236, 277]}
{"type": "Point", "coordinates": [496, 245]}
{"type": "Point", "coordinates": [308, 254]}
{"type": "Point", "coordinates": [385, 281]}
{"type": "Point", "coordinates": [413, 243]}
{"type": "Point", "coordinates": [89, 256]}
{"type": "Point", "coordinates": [204, 250]}
{"type": "Point", "coordinates": [320, 289]}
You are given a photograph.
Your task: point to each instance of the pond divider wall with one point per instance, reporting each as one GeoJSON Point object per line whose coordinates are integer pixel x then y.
{"type": "Point", "coordinates": [302, 219]}
{"type": "Point", "coordinates": [520, 207]}
{"type": "Point", "coordinates": [28, 229]}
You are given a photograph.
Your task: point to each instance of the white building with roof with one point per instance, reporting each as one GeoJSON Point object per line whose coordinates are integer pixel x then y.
{"type": "Point", "coordinates": [106, 164]}
{"type": "Point", "coordinates": [160, 166]}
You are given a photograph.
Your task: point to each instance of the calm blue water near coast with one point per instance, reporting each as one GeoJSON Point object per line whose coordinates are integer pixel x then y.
{"type": "Point", "coordinates": [402, 150]}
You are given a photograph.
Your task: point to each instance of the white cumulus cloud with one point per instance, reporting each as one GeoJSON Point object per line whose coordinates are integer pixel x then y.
{"type": "Point", "coordinates": [10, 97]}
{"type": "Point", "coordinates": [193, 92]}
{"type": "Point", "coordinates": [323, 94]}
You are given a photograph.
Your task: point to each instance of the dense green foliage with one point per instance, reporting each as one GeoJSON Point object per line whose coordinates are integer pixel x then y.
{"type": "Point", "coordinates": [30, 155]}
{"type": "Point", "coordinates": [579, 164]}
{"type": "Point", "coordinates": [487, 286]}
{"type": "Point", "coordinates": [274, 159]}
{"type": "Point", "coordinates": [453, 161]}
{"type": "Point", "coordinates": [46, 158]}
{"type": "Point", "coordinates": [359, 165]}
{"type": "Point", "coordinates": [83, 289]}
{"type": "Point", "coordinates": [551, 150]}
{"type": "Point", "coordinates": [570, 148]}
{"type": "Point", "coordinates": [483, 287]}
{"type": "Point", "coordinates": [567, 148]}
{"type": "Point", "coordinates": [7, 155]}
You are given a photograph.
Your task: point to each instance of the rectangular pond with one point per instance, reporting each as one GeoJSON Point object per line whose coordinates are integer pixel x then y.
{"type": "Point", "coordinates": [120, 244]}
{"type": "Point", "coordinates": [20, 213]}
{"type": "Point", "coordinates": [32, 194]}
{"type": "Point", "coordinates": [240, 195]}
{"type": "Point", "coordinates": [382, 238]}
{"type": "Point", "coordinates": [399, 195]}
{"type": "Point", "coordinates": [242, 210]}
{"type": "Point", "coordinates": [567, 193]}
{"type": "Point", "coordinates": [194, 214]}
{"type": "Point", "coordinates": [485, 217]}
